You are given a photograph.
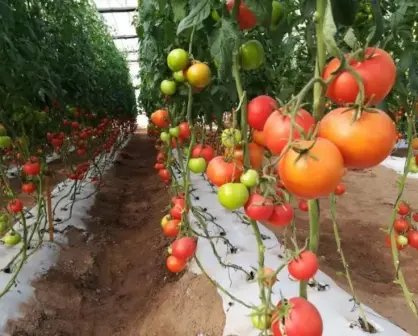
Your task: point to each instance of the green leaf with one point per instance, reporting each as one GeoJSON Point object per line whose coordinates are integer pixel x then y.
{"type": "Point", "coordinates": [330, 30]}
{"type": "Point", "coordinates": [377, 32]}
{"type": "Point", "coordinates": [199, 12]}
{"type": "Point", "coordinates": [179, 9]}
{"type": "Point", "coordinates": [224, 42]}
{"type": "Point", "coordinates": [262, 10]}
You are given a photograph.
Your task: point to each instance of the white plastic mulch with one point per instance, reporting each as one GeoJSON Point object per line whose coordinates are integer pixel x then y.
{"type": "Point", "coordinates": [45, 257]}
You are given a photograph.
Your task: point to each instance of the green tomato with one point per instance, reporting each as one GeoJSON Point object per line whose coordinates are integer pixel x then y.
{"type": "Point", "coordinates": [251, 55]}
{"type": "Point", "coordinates": [179, 76]}
{"type": "Point", "coordinates": [402, 240]}
{"type": "Point", "coordinates": [412, 166]}
{"type": "Point", "coordinates": [174, 131]}
{"type": "Point", "coordinates": [186, 151]}
{"type": "Point", "coordinates": [215, 15]}
{"type": "Point", "coordinates": [233, 195]}
{"type": "Point", "coordinates": [197, 165]}
{"type": "Point", "coordinates": [178, 59]}
{"type": "Point", "coordinates": [164, 136]}
{"type": "Point", "coordinates": [5, 142]}
{"type": "Point", "coordinates": [4, 218]}
{"type": "Point", "coordinates": [12, 238]}
{"type": "Point", "coordinates": [169, 250]}
{"type": "Point", "coordinates": [4, 227]}
{"type": "Point", "coordinates": [231, 137]}
{"type": "Point", "coordinates": [277, 14]}
{"type": "Point", "coordinates": [3, 130]}
{"type": "Point", "coordinates": [259, 319]}
{"type": "Point", "coordinates": [40, 116]}
{"type": "Point", "coordinates": [250, 178]}
{"type": "Point", "coordinates": [168, 87]}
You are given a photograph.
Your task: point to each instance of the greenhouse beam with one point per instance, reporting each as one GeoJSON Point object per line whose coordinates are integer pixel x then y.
{"type": "Point", "coordinates": [116, 10]}
{"type": "Point", "coordinates": [124, 37]}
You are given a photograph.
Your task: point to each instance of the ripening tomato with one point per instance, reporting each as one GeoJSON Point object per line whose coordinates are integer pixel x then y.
{"type": "Point", "coordinates": [401, 225]}
{"type": "Point", "coordinates": [302, 319]}
{"type": "Point", "coordinates": [277, 129]}
{"type": "Point", "coordinates": [268, 276]}
{"type": "Point", "coordinates": [184, 248]}
{"type": "Point", "coordinates": [363, 143]}
{"type": "Point", "coordinates": [28, 188]}
{"type": "Point", "coordinates": [377, 83]}
{"type": "Point", "coordinates": [389, 242]}
{"type": "Point", "coordinates": [161, 118]}
{"type": "Point", "coordinates": [324, 161]}
{"type": "Point", "coordinates": [220, 172]}
{"type": "Point", "coordinates": [282, 215]}
{"type": "Point", "coordinates": [413, 239]}
{"type": "Point", "coordinates": [258, 207]}
{"type": "Point", "coordinates": [184, 128]}
{"type": "Point", "coordinates": [206, 152]}
{"type": "Point", "coordinates": [172, 228]}
{"type": "Point", "coordinates": [403, 209]}
{"type": "Point", "coordinates": [15, 206]}
{"type": "Point", "coordinates": [175, 265]}
{"type": "Point", "coordinates": [32, 169]}
{"type": "Point", "coordinates": [304, 266]}
{"type": "Point", "coordinates": [414, 143]}
{"type": "Point", "coordinates": [199, 75]}
{"type": "Point", "coordinates": [258, 110]}
{"type": "Point", "coordinates": [246, 18]}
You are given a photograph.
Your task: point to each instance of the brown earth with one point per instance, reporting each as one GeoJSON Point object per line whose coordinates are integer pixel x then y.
{"type": "Point", "coordinates": [112, 281]}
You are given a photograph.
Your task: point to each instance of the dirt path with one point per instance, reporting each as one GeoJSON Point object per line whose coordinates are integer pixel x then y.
{"type": "Point", "coordinates": [112, 280]}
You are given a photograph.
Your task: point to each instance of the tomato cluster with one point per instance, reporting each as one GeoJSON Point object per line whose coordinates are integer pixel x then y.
{"type": "Point", "coordinates": [406, 231]}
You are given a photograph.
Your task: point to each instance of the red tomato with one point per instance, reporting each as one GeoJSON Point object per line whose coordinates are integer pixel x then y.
{"type": "Point", "coordinates": [164, 174]}
{"type": "Point", "coordinates": [277, 129]}
{"type": "Point", "coordinates": [403, 209]}
{"type": "Point", "coordinates": [413, 239]}
{"type": "Point", "coordinates": [32, 169]}
{"type": "Point", "coordinates": [304, 266]}
{"type": "Point", "coordinates": [175, 265]}
{"type": "Point", "coordinates": [303, 205]}
{"type": "Point", "coordinates": [415, 217]}
{"type": "Point", "coordinates": [246, 18]}
{"type": "Point", "coordinates": [363, 143]}
{"type": "Point", "coordinates": [340, 190]}
{"type": "Point", "coordinates": [184, 130]}
{"type": "Point", "coordinates": [184, 248]}
{"type": "Point", "coordinates": [258, 207]}
{"type": "Point", "coordinates": [177, 210]}
{"type": "Point", "coordinates": [160, 118]}
{"type": "Point", "coordinates": [220, 172]}
{"type": "Point", "coordinates": [172, 228]}
{"type": "Point", "coordinates": [161, 157]}
{"type": "Point", "coordinates": [303, 319]}
{"type": "Point", "coordinates": [401, 225]}
{"type": "Point", "coordinates": [259, 109]}
{"type": "Point", "coordinates": [377, 83]}
{"type": "Point", "coordinates": [282, 215]}
{"type": "Point", "coordinates": [15, 206]}
{"type": "Point", "coordinates": [258, 138]}
{"type": "Point", "coordinates": [326, 164]}
{"type": "Point", "coordinates": [28, 188]}
{"type": "Point", "coordinates": [205, 152]}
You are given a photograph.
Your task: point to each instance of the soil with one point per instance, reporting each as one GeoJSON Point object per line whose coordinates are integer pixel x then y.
{"type": "Point", "coordinates": [112, 280]}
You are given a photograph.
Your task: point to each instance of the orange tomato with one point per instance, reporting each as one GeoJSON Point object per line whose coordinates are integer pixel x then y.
{"type": "Point", "coordinates": [220, 172]}
{"type": "Point", "coordinates": [175, 265]}
{"type": "Point", "coordinates": [160, 118]}
{"type": "Point", "coordinates": [171, 228]}
{"type": "Point", "coordinates": [258, 137]}
{"type": "Point", "coordinates": [256, 153]}
{"type": "Point", "coordinates": [363, 143]}
{"type": "Point", "coordinates": [316, 173]}
{"type": "Point", "coordinates": [199, 75]}
{"type": "Point", "coordinates": [415, 144]}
